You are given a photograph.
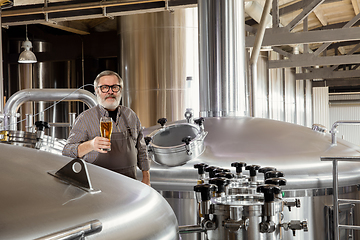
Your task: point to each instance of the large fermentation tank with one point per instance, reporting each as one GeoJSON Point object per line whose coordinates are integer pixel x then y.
{"type": "Point", "coordinates": [293, 149]}
{"type": "Point", "coordinates": [37, 205]}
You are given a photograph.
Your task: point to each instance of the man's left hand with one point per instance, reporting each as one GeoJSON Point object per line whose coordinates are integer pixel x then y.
{"type": "Point", "coordinates": [146, 177]}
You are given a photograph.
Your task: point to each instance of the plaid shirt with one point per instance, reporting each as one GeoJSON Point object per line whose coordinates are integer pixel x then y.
{"type": "Point", "coordinates": [86, 127]}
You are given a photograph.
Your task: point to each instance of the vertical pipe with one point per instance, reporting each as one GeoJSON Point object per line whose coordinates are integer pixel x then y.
{"type": "Point", "coordinates": [255, 55]}
{"type": "Point", "coordinates": [335, 200]}
{"type": "Point", "coordinates": [1, 72]}
{"type": "Point", "coordinates": [222, 58]}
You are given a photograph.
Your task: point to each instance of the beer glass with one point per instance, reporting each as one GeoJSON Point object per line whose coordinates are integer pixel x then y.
{"type": "Point", "coordinates": [106, 128]}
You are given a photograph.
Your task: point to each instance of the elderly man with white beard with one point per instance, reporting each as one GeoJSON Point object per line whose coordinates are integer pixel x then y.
{"type": "Point", "coordinates": [128, 148]}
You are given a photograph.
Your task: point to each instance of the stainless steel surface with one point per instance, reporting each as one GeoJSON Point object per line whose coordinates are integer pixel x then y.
{"type": "Point", "coordinates": [293, 149]}
{"type": "Point", "coordinates": [167, 146]}
{"type": "Point", "coordinates": [26, 95]}
{"type": "Point", "coordinates": [222, 58]}
{"type": "Point", "coordinates": [276, 90]}
{"type": "Point", "coordinates": [36, 204]}
{"type": "Point", "coordinates": [159, 51]}
{"type": "Point", "coordinates": [296, 150]}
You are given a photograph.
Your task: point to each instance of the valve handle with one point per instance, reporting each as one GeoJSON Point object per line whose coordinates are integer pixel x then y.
{"type": "Point", "coordinates": [252, 169]}
{"type": "Point", "coordinates": [199, 121]}
{"type": "Point", "coordinates": [274, 174]}
{"type": "Point", "coordinates": [269, 191]}
{"type": "Point", "coordinates": [41, 125]}
{"type": "Point", "coordinates": [162, 121]}
{"type": "Point", "coordinates": [276, 181]}
{"type": "Point", "coordinates": [201, 167]}
{"type": "Point", "coordinates": [186, 140]}
{"type": "Point", "coordinates": [224, 175]}
{"type": "Point", "coordinates": [220, 183]}
{"type": "Point", "coordinates": [147, 140]}
{"type": "Point", "coordinates": [210, 170]}
{"type": "Point", "coordinates": [239, 166]}
{"type": "Point", "coordinates": [264, 170]}
{"type": "Point", "coordinates": [205, 190]}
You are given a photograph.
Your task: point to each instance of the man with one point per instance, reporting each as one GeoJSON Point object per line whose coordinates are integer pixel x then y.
{"type": "Point", "coordinates": [127, 143]}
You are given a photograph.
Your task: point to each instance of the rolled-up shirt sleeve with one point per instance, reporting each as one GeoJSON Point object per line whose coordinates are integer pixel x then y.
{"type": "Point", "coordinates": [143, 161]}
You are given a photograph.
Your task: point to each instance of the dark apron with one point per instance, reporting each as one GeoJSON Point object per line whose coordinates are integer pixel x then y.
{"type": "Point", "coordinates": [123, 155]}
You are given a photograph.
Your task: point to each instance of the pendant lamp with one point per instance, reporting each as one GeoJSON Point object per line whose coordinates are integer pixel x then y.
{"type": "Point", "coordinates": [27, 56]}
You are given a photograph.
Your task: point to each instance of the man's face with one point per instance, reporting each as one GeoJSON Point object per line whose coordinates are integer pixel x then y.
{"type": "Point", "coordinates": [109, 100]}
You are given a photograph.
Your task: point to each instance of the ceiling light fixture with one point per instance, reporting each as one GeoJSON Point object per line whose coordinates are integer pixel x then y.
{"type": "Point", "coordinates": [27, 56]}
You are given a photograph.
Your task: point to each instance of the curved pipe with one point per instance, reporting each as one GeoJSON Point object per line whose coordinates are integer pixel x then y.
{"type": "Point", "coordinates": [20, 97]}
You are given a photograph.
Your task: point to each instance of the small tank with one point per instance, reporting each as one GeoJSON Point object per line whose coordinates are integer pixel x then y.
{"type": "Point", "coordinates": [47, 196]}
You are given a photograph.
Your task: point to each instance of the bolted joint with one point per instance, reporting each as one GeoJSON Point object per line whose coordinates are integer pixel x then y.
{"type": "Point", "coordinates": [267, 227]}
{"type": "Point", "coordinates": [234, 226]}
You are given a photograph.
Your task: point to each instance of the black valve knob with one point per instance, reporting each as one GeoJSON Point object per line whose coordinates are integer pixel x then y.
{"type": "Point", "coordinates": [252, 169]}
{"type": "Point", "coordinates": [186, 140]}
{"type": "Point", "coordinates": [147, 140]}
{"type": "Point", "coordinates": [200, 167]}
{"type": "Point", "coordinates": [199, 121]}
{"type": "Point", "coordinates": [276, 181]}
{"type": "Point", "coordinates": [41, 125]}
{"type": "Point", "coordinates": [225, 175]}
{"type": "Point", "coordinates": [239, 166]}
{"type": "Point", "coordinates": [162, 121]}
{"type": "Point", "coordinates": [205, 190]}
{"type": "Point", "coordinates": [269, 191]}
{"type": "Point", "coordinates": [210, 170]}
{"type": "Point", "coordinates": [274, 174]}
{"type": "Point", "coordinates": [264, 170]}
{"type": "Point", "coordinates": [220, 183]}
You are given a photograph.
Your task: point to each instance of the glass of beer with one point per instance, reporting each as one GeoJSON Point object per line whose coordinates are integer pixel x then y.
{"type": "Point", "coordinates": [106, 128]}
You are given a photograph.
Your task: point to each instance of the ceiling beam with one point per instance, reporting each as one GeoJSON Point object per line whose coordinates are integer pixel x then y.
{"type": "Point", "coordinates": [319, 13]}
{"type": "Point", "coordinates": [306, 11]}
{"type": "Point", "coordinates": [69, 27]}
{"type": "Point", "coordinates": [306, 60]}
{"type": "Point", "coordinates": [355, 6]}
{"type": "Point", "coordinates": [348, 25]}
{"type": "Point", "coordinates": [285, 38]}
{"type": "Point", "coordinates": [324, 73]}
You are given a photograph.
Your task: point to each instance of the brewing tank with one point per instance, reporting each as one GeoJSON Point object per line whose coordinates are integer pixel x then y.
{"type": "Point", "coordinates": [293, 149]}
{"type": "Point", "coordinates": [41, 200]}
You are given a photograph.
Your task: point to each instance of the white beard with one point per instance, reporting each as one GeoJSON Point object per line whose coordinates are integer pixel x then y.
{"type": "Point", "coordinates": [109, 105]}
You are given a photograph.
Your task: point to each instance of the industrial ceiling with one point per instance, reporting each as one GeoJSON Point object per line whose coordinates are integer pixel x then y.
{"type": "Point", "coordinates": [325, 31]}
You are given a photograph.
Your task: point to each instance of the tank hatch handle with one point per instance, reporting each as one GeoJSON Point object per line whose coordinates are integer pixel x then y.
{"type": "Point", "coordinates": [76, 173]}
{"type": "Point", "coordinates": [162, 121]}
{"type": "Point", "coordinates": [76, 232]}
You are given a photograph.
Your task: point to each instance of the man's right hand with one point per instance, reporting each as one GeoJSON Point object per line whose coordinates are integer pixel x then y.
{"type": "Point", "coordinates": [99, 143]}
{"type": "Point", "coordinates": [96, 144]}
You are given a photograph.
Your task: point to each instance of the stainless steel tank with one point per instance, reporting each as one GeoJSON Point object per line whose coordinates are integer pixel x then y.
{"type": "Point", "coordinates": [293, 149]}
{"type": "Point", "coordinates": [41, 200]}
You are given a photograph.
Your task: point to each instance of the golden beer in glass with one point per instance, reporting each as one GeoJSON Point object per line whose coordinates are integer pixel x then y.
{"type": "Point", "coordinates": [106, 128]}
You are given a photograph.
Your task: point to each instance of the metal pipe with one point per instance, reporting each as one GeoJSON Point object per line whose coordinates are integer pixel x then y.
{"type": "Point", "coordinates": [73, 7]}
{"type": "Point", "coordinates": [260, 33]}
{"type": "Point", "coordinates": [77, 232]}
{"type": "Point", "coordinates": [190, 229]}
{"type": "Point", "coordinates": [255, 56]}
{"type": "Point", "coordinates": [335, 199]}
{"type": "Point", "coordinates": [1, 72]}
{"type": "Point", "coordinates": [336, 124]}
{"type": "Point", "coordinates": [222, 70]}
{"type": "Point", "coordinates": [25, 95]}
